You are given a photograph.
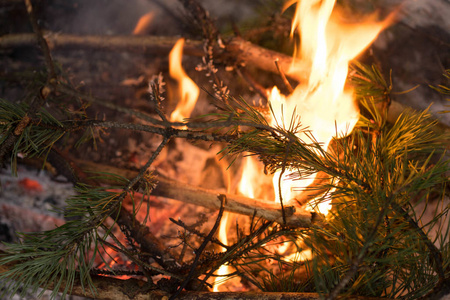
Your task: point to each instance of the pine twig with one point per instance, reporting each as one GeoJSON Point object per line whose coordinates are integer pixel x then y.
{"type": "Point", "coordinates": [45, 92]}
{"type": "Point", "coordinates": [140, 233]}
{"type": "Point", "coordinates": [197, 233]}
{"type": "Point", "coordinates": [283, 77]}
{"type": "Point", "coordinates": [252, 83]}
{"type": "Point", "coordinates": [149, 243]}
{"type": "Point", "coordinates": [435, 253]}
{"type": "Point", "coordinates": [354, 266]}
{"type": "Point", "coordinates": [202, 19]}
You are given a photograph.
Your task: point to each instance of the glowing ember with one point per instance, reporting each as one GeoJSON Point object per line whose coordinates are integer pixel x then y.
{"type": "Point", "coordinates": [187, 91]}
{"type": "Point", "coordinates": [323, 104]}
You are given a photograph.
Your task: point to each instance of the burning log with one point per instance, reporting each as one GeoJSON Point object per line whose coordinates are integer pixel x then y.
{"type": "Point", "coordinates": [237, 49]}
{"type": "Point", "coordinates": [247, 53]}
{"type": "Point", "coordinates": [295, 216]}
{"type": "Point", "coordinates": [271, 211]}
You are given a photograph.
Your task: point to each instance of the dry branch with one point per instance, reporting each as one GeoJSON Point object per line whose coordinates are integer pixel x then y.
{"type": "Point", "coordinates": [271, 211]}
{"type": "Point", "coordinates": [140, 44]}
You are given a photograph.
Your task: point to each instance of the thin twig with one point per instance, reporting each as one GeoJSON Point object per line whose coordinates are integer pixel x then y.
{"type": "Point", "coordinates": [149, 243]}
{"type": "Point", "coordinates": [283, 77]}
{"type": "Point", "coordinates": [138, 114]}
{"type": "Point", "coordinates": [192, 125]}
{"type": "Point", "coordinates": [197, 233]}
{"type": "Point", "coordinates": [173, 132]}
{"type": "Point", "coordinates": [140, 262]}
{"type": "Point", "coordinates": [42, 42]}
{"type": "Point", "coordinates": [155, 97]}
{"type": "Point", "coordinates": [252, 83]}
{"type": "Point", "coordinates": [280, 191]}
{"type": "Point", "coordinates": [200, 249]}
{"type": "Point", "coordinates": [149, 162]}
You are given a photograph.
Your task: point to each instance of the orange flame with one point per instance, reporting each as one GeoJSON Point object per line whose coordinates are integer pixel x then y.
{"type": "Point", "coordinates": [247, 185]}
{"type": "Point", "coordinates": [323, 104]}
{"type": "Point", "coordinates": [187, 91]}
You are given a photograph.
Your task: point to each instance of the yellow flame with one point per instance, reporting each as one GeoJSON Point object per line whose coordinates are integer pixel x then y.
{"type": "Point", "coordinates": [187, 91]}
{"type": "Point", "coordinates": [249, 179]}
{"type": "Point", "coordinates": [223, 237]}
{"type": "Point", "coordinates": [322, 104]}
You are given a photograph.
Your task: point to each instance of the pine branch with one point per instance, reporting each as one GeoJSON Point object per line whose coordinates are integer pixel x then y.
{"type": "Point", "coordinates": [355, 263]}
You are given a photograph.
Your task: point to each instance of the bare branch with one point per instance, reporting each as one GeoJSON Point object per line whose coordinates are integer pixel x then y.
{"type": "Point", "coordinates": [139, 44]}
{"type": "Point", "coordinates": [41, 40]}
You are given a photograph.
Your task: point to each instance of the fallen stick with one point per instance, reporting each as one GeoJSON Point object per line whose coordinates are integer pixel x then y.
{"type": "Point", "coordinates": [131, 43]}
{"type": "Point", "coordinates": [168, 188]}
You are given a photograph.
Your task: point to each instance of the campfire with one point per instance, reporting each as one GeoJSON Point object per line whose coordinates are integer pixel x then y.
{"type": "Point", "coordinates": [307, 187]}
